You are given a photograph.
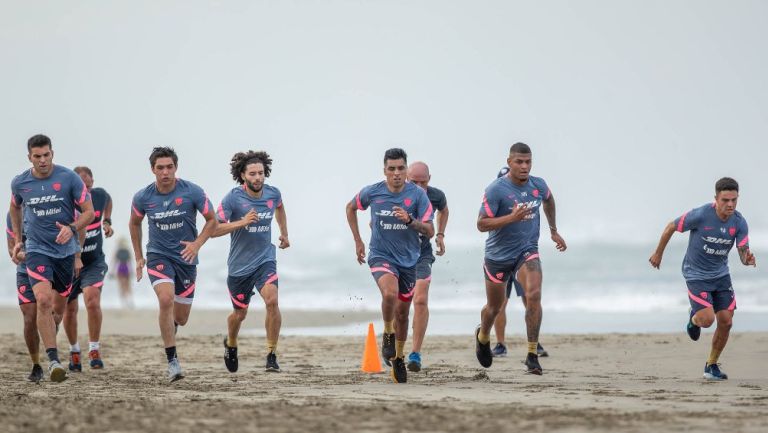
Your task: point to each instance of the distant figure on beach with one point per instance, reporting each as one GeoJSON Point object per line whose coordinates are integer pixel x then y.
{"type": "Point", "coordinates": [121, 263]}
{"type": "Point", "coordinates": [418, 173]}
{"type": "Point", "coordinates": [500, 325]}
{"type": "Point", "coordinates": [246, 213]}
{"type": "Point", "coordinates": [48, 196]}
{"type": "Point", "coordinates": [715, 228]}
{"type": "Point", "coordinates": [400, 214]}
{"type": "Point", "coordinates": [171, 205]}
{"type": "Point", "coordinates": [90, 279]}
{"type": "Point", "coordinates": [510, 212]}
{"type": "Point", "coordinates": [27, 303]}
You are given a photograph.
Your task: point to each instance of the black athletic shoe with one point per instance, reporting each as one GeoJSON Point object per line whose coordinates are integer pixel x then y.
{"type": "Point", "coordinates": [693, 331]}
{"type": "Point", "coordinates": [399, 372]}
{"type": "Point", "coordinates": [230, 357]}
{"type": "Point", "coordinates": [388, 347]}
{"type": "Point", "coordinates": [36, 375]}
{"type": "Point", "coordinates": [532, 362]}
{"type": "Point", "coordinates": [272, 363]}
{"type": "Point", "coordinates": [541, 352]}
{"type": "Point", "coordinates": [483, 351]}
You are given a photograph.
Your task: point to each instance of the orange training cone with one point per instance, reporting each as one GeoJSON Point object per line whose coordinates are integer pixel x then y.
{"type": "Point", "coordinates": [371, 361]}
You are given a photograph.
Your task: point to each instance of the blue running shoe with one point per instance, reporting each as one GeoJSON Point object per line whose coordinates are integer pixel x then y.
{"type": "Point", "coordinates": [712, 372]}
{"type": "Point", "coordinates": [414, 362]}
{"type": "Point", "coordinates": [500, 350]}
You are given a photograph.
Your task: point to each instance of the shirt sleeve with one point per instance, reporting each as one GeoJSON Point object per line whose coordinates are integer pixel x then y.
{"type": "Point", "coordinates": [278, 198]}
{"type": "Point", "coordinates": [543, 189]}
{"type": "Point", "coordinates": [78, 191]}
{"type": "Point", "coordinates": [426, 213]}
{"type": "Point", "coordinates": [201, 200]}
{"type": "Point", "coordinates": [742, 234]}
{"type": "Point", "coordinates": [443, 202]}
{"type": "Point", "coordinates": [16, 199]}
{"type": "Point", "coordinates": [9, 228]}
{"type": "Point", "coordinates": [137, 205]}
{"type": "Point", "coordinates": [224, 212]}
{"type": "Point", "coordinates": [688, 221]}
{"type": "Point", "coordinates": [363, 198]}
{"type": "Point", "coordinates": [491, 202]}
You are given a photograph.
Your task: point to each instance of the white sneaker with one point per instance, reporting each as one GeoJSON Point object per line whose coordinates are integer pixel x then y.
{"type": "Point", "coordinates": [174, 370]}
{"type": "Point", "coordinates": [57, 372]}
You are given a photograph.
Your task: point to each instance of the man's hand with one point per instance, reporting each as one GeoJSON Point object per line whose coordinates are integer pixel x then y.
{"type": "Point", "coordinates": [559, 242]}
{"type": "Point", "coordinates": [78, 266]}
{"type": "Point", "coordinates": [284, 242]}
{"type": "Point", "coordinates": [251, 217]}
{"type": "Point", "coordinates": [655, 260]}
{"type": "Point", "coordinates": [65, 233]}
{"type": "Point", "coordinates": [360, 251]}
{"type": "Point", "coordinates": [440, 245]}
{"type": "Point", "coordinates": [17, 249]}
{"type": "Point", "coordinates": [519, 212]}
{"type": "Point", "coordinates": [140, 263]}
{"type": "Point", "coordinates": [401, 214]}
{"type": "Point", "coordinates": [20, 256]}
{"type": "Point", "coordinates": [190, 251]}
{"type": "Point", "coordinates": [108, 232]}
{"type": "Point", "coordinates": [749, 259]}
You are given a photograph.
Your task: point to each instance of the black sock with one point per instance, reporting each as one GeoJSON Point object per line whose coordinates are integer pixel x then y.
{"type": "Point", "coordinates": [170, 353]}
{"type": "Point", "coordinates": [53, 354]}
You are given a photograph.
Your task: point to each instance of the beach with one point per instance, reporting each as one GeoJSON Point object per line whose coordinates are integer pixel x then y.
{"type": "Point", "coordinates": [595, 382]}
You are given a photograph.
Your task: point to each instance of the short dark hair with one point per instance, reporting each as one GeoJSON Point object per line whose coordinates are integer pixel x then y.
{"type": "Point", "coordinates": [726, 184]}
{"type": "Point", "coordinates": [163, 152]}
{"type": "Point", "coordinates": [520, 147]}
{"type": "Point", "coordinates": [38, 140]}
{"type": "Point", "coordinates": [82, 168]}
{"type": "Point", "coordinates": [241, 160]}
{"type": "Point", "coordinates": [395, 153]}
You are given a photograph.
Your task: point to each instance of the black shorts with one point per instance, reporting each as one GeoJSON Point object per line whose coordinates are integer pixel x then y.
{"type": "Point", "coordinates": [164, 270]}
{"type": "Point", "coordinates": [506, 272]}
{"type": "Point", "coordinates": [241, 287]}
{"type": "Point", "coordinates": [406, 277]}
{"type": "Point", "coordinates": [716, 294]}
{"type": "Point", "coordinates": [24, 289]}
{"type": "Point", "coordinates": [92, 274]}
{"type": "Point", "coordinates": [58, 271]}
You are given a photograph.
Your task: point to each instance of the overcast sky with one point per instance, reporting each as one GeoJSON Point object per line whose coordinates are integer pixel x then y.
{"type": "Point", "coordinates": [633, 108]}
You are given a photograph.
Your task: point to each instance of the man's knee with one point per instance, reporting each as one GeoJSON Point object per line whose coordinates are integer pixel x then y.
{"type": "Point", "coordinates": [704, 319]}
{"type": "Point", "coordinates": [724, 321]}
{"type": "Point", "coordinates": [240, 314]}
{"type": "Point", "coordinates": [165, 300]}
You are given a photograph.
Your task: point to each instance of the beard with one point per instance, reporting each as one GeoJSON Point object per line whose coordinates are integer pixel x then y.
{"type": "Point", "coordinates": [253, 188]}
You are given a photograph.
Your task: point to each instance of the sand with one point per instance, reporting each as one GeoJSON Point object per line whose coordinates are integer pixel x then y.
{"type": "Point", "coordinates": [598, 382]}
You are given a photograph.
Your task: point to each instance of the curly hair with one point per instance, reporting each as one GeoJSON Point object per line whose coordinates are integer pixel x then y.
{"type": "Point", "coordinates": [241, 160]}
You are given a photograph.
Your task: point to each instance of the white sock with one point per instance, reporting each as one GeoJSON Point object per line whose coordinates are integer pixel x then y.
{"type": "Point", "coordinates": [93, 345]}
{"type": "Point", "coordinates": [75, 347]}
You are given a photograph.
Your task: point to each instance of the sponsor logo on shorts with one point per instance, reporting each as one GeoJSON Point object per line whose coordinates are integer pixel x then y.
{"type": "Point", "coordinates": [240, 296]}
{"type": "Point", "coordinates": [386, 265]}
{"type": "Point", "coordinates": [703, 295]}
{"type": "Point", "coordinates": [499, 275]}
{"type": "Point", "coordinates": [186, 283]}
{"type": "Point", "coordinates": [41, 269]}
{"type": "Point", "coordinates": [22, 289]}
{"type": "Point", "coordinates": [160, 267]}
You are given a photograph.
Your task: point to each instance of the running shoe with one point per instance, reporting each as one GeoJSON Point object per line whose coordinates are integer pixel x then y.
{"type": "Point", "coordinates": [388, 347]}
{"type": "Point", "coordinates": [74, 362]}
{"type": "Point", "coordinates": [272, 363]}
{"type": "Point", "coordinates": [230, 357]}
{"type": "Point", "coordinates": [712, 372]}
{"type": "Point", "coordinates": [532, 362]}
{"type": "Point", "coordinates": [399, 372]}
{"type": "Point", "coordinates": [483, 351]}
{"type": "Point", "coordinates": [693, 331]}
{"type": "Point", "coordinates": [57, 372]}
{"type": "Point", "coordinates": [414, 362]}
{"type": "Point", "coordinates": [174, 370]}
{"type": "Point", "coordinates": [541, 352]}
{"type": "Point", "coordinates": [500, 350]}
{"type": "Point", "coordinates": [36, 375]}
{"type": "Point", "coordinates": [95, 360]}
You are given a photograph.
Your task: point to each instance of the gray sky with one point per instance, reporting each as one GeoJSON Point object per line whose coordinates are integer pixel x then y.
{"type": "Point", "coordinates": [633, 108]}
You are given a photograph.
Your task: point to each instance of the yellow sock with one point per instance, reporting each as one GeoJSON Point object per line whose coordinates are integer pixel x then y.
{"type": "Point", "coordinates": [532, 346]}
{"type": "Point", "coordinates": [389, 327]}
{"type": "Point", "coordinates": [271, 346]}
{"type": "Point", "coordinates": [35, 358]}
{"type": "Point", "coordinates": [484, 338]}
{"type": "Point", "coordinates": [231, 342]}
{"type": "Point", "coordinates": [714, 355]}
{"type": "Point", "coordinates": [399, 349]}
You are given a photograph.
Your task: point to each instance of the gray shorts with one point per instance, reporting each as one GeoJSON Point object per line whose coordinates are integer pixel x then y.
{"type": "Point", "coordinates": [424, 268]}
{"type": "Point", "coordinates": [92, 274]}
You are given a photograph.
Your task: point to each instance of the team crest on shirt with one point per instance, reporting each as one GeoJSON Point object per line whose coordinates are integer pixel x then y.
{"type": "Point", "coordinates": [160, 267]}
{"type": "Point", "coordinates": [270, 203]}
{"type": "Point", "coordinates": [407, 201]}
{"type": "Point", "coordinates": [57, 186]}
{"type": "Point", "coordinates": [41, 269]}
{"type": "Point", "coordinates": [535, 193]}
{"type": "Point", "coordinates": [178, 201]}
{"type": "Point", "coordinates": [732, 231]}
